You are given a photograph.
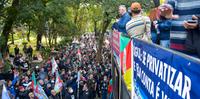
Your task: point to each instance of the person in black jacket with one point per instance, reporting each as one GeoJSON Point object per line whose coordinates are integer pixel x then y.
{"type": "Point", "coordinates": [30, 51]}
{"type": "Point", "coordinates": [193, 37]}
{"type": "Point", "coordinates": [53, 95]}
{"type": "Point", "coordinates": [16, 50]}
{"type": "Point", "coordinates": [86, 93]}
{"type": "Point", "coordinates": [23, 94]}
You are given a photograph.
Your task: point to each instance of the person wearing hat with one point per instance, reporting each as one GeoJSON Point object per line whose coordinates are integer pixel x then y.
{"type": "Point", "coordinates": [124, 18]}
{"type": "Point", "coordinates": [139, 26]}
{"type": "Point", "coordinates": [23, 94]}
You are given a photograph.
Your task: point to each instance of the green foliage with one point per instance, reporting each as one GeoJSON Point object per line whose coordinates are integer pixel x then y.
{"type": "Point", "coordinates": [63, 18]}
{"type": "Point", "coordinates": [45, 52]}
{"type": "Point", "coordinates": [7, 66]}
{"type": "Point", "coordinates": [65, 41]}
{"type": "Point", "coordinates": [2, 42]}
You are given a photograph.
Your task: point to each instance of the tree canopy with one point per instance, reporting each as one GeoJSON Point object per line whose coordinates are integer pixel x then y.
{"type": "Point", "coordinates": [60, 18]}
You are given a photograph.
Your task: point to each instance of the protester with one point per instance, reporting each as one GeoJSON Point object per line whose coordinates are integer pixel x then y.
{"type": "Point", "coordinates": [139, 26]}
{"type": "Point", "coordinates": [125, 17]}
{"type": "Point", "coordinates": [30, 51]}
{"type": "Point", "coordinates": [104, 88]}
{"type": "Point", "coordinates": [85, 94]}
{"type": "Point", "coordinates": [31, 95]}
{"type": "Point", "coordinates": [154, 17]}
{"type": "Point", "coordinates": [23, 94]}
{"type": "Point", "coordinates": [164, 25]}
{"type": "Point", "coordinates": [192, 40]}
{"type": "Point", "coordinates": [53, 95]}
{"type": "Point", "coordinates": [64, 81]}
{"type": "Point", "coordinates": [16, 49]}
{"type": "Point", "coordinates": [178, 33]}
{"type": "Point", "coordinates": [25, 49]}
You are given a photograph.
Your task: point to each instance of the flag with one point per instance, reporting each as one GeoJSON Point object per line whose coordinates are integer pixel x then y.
{"type": "Point", "coordinates": [54, 65]}
{"type": "Point", "coordinates": [79, 78]}
{"type": "Point", "coordinates": [58, 84]}
{"type": "Point", "coordinates": [124, 41]}
{"type": "Point", "coordinates": [126, 63]}
{"type": "Point", "coordinates": [33, 84]}
{"type": "Point", "coordinates": [162, 1]}
{"type": "Point", "coordinates": [79, 54]}
{"type": "Point", "coordinates": [5, 93]}
{"type": "Point", "coordinates": [39, 92]}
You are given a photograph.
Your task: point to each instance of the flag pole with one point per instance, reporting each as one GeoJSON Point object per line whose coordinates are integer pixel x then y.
{"type": "Point", "coordinates": [78, 74]}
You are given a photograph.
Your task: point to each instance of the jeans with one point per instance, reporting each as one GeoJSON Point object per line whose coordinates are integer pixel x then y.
{"type": "Point", "coordinates": [111, 96]}
{"type": "Point", "coordinates": [165, 43]}
{"type": "Point", "coordinates": [104, 94]}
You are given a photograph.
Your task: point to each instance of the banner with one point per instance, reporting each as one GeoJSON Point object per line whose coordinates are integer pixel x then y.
{"type": "Point", "coordinates": [163, 74]}
{"type": "Point", "coordinates": [116, 46]}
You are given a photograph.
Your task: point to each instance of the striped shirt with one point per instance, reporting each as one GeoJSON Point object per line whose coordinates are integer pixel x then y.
{"type": "Point", "coordinates": [136, 26]}
{"type": "Point", "coordinates": [185, 9]}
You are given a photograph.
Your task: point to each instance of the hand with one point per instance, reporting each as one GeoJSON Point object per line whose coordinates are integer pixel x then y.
{"type": "Point", "coordinates": [194, 17]}
{"type": "Point", "coordinates": [156, 26]}
{"type": "Point", "coordinates": [115, 30]}
{"type": "Point", "coordinates": [190, 25]}
{"type": "Point", "coordinates": [17, 73]}
{"type": "Point", "coordinates": [175, 16]}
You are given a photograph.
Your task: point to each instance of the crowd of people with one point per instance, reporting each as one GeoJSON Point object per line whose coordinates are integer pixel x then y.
{"type": "Point", "coordinates": [174, 24]}
{"type": "Point", "coordinates": [81, 74]}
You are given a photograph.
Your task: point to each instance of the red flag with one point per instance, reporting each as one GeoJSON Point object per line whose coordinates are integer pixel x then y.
{"type": "Point", "coordinates": [125, 58]}
{"type": "Point", "coordinates": [33, 84]}
{"type": "Point", "coordinates": [79, 54]}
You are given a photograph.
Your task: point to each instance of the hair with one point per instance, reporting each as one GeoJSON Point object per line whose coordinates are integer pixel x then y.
{"type": "Point", "coordinates": [122, 6]}
{"type": "Point", "coordinates": [154, 14]}
{"type": "Point", "coordinates": [135, 11]}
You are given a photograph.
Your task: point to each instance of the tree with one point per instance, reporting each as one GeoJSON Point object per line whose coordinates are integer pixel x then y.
{"type": "Point", "coordinates": [108, 12]}
{"type": "Point", "coordinates": [12, 13]}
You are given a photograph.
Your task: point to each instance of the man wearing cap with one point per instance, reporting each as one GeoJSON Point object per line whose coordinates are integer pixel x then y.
{"type": "Point", "coordinates": [125, 17]}
{"type": "Point", "coordinates": [139, 26]}
{"type": "Point", "coordinates": [23, 94]}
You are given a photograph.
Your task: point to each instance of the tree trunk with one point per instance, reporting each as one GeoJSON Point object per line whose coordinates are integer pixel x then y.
{"type": "Point", "coordinates": [8, 25]}
{"type": "Point", "coordinates": [41, 27]}
{"type": "Point", "coordinates": [55, 39]}
{"type": "Point", "coordinates": [39, 39]}
{"type": "Point", "coordinates": [76, 12]}
{"type": "Point", "coordinates": [13, 38]}
{"type": "Point", "coordinates": [105, 25]}
{"type": "Point", "coordinates": [95, 28]}
{"type": "Point", "coordinates": [49, 39]}
{"type": "Point", "coordinates": [46, 40]}
{"type": "Point", "coordinates": [29, 31]}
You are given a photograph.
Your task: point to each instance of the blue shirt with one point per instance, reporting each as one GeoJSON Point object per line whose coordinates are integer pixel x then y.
{"type": "Point", "coordinates": [164, 27]}
{"type": "Point", "coordinates": [121, 24]}
{"type": "Point", "coordinates": [185, 9]}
